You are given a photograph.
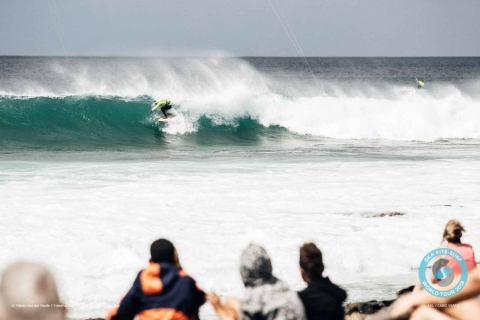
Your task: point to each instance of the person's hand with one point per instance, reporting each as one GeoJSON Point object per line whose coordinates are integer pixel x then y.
{"type": "Point", "coordinates": [404, 305]}
{"type": "Point", "coordinates": [226, 311]}
{"type": "Point", "coordinates": [214, 299]}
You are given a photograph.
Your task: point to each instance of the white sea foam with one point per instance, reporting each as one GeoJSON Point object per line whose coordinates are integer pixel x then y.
{"type": "Point", "coordinates": [93, 222]}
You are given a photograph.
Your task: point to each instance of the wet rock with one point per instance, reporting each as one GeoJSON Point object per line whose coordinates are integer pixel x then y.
{"type": "Point", "coordinates": [369, 307]}
{"type": "Point", "coordinates": [405, 290]}
{"type": "Point", "coordinates": [387, 214]}
{"type": "Point", "coordinates": [372, 310]}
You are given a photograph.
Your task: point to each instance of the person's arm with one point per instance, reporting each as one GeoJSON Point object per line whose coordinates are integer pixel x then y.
{"type": "Point", "coordinates": [199, 298]}
{"type": "Point", "coordinates": [230, 310]}
{"type": "Point", "coordinates": [409, 302]}
{"type": "Point", "coordinates": [128, 308]}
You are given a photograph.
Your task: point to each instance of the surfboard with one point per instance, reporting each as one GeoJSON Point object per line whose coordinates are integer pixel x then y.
{"type": "Point", "coordinates": [167, 119]}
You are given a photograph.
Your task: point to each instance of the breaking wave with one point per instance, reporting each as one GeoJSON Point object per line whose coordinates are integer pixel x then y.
{"type": "Point", "coordinates": [222, 100]}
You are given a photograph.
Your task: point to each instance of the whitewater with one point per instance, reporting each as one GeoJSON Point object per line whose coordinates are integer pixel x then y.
{"type": "Point", "coordinates": [258, 152]}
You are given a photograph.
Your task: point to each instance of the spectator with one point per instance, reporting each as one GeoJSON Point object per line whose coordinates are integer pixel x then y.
{"type": "Point", "coordinates": [452, 235]}
{"type": "Point", "coordinates": [28, 292]}
{"type": "Point", "coordinates": [466, 307]}
{"type": "Point", "coordinates": [419, 304]}
{"type": "Point", "coordinates": [162, 291]}
{"type": "Point", "coordinates": [322, 299]}
{"type": "Point", "coordinates": [266, 297]}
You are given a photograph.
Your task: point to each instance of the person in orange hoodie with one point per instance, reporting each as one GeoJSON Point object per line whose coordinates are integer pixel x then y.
{"type": "Point", "coordinates": [162, 291]}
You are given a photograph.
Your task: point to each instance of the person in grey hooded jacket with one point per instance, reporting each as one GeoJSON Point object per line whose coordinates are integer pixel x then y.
{"type": "Point", "coordinates": [265, 298]}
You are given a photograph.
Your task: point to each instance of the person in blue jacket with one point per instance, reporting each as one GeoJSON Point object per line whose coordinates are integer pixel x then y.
{"type": "Point", "coordinates": [162, 291]}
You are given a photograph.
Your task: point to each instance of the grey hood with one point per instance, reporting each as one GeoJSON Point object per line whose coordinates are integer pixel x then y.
{"type": "Point", "coordinates": [256, 267]}
{"type": "Point", "coordinates": [266, 297]}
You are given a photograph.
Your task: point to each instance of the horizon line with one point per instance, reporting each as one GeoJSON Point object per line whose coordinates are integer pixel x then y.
{"type": "Point", "coordinates": [214, 56]}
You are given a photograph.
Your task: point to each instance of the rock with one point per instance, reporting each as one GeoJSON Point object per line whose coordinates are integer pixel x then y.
{"type": "Point", "coordinates": [369, 307]}
{"type": "Point", "coordinates": [405, 290]}
{"type": "Point", "coordinates": [352, 307]}
{"type": "Point", "coordinates": [372, 310]}
{"type": "Point", "coordinates": [387, 214]}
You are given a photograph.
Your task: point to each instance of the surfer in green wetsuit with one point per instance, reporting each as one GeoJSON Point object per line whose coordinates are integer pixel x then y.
{"type": "Point", "coordinates": [420, 83]}
{"type": "Point", "coordinates": [164, 106]}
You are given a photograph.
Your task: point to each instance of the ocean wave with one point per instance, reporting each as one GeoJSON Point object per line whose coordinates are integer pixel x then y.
{"type": "Point", "coordinates": [94, 121]}
{"type": "Point", "coordinates": [221, 101]}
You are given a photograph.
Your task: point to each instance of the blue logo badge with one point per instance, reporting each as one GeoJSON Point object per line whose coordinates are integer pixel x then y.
{"type": "Point", "coordinates": [437, 271]}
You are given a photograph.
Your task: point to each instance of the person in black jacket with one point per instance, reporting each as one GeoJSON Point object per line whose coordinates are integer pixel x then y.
{"type": "Point", "coordinates": [322, 299]}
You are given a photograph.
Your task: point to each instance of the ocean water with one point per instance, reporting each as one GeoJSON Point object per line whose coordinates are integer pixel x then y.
{"type": "Point", "coordinates": [259, 151]}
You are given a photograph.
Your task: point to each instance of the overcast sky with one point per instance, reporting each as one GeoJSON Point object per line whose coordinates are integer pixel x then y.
{"type": "Point", "coordinates": [240, 27]}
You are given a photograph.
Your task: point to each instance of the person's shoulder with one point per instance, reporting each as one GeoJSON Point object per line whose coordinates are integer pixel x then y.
{"type": "Point", "coordinates": [305, 292]}
{"type": "Point", "coordinates": [139, 274]}
{"type": "Point", "coordinates": [311, 293]}
{"type": "Point", "coordinates": [460, 245]}
{"type": "Point", "coordinates": [137, 284]}
{"type": "Point", "coordinates": [468, 246]}
{"type": "Point", "coordinates": [184, 276]}
{"type": "Point", "coordinates": [189, 281]}
{"type": "Point", "coordinates": [324, 290]}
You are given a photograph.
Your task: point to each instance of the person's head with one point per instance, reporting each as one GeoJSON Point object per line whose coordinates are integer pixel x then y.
{"type": "Point", "coordinates": [163, 251]}
{"type": "Point", "coordinates": [29, 283]}
{"type": "Point", "coordinates": [453, 231]}
{"type": "Point", "coordinates": [256, 266]}
{"type": "Point", "coordinates": [311, 262]}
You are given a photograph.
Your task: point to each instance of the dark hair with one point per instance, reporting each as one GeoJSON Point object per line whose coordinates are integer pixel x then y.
{"type": "Point", "coordinates": [311, 260]}
{"type": "Point", "coordinates": [162, 251]}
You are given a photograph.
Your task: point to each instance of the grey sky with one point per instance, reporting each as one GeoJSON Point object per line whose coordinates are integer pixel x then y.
{"type": "Point", "coordinates": [241, 27]}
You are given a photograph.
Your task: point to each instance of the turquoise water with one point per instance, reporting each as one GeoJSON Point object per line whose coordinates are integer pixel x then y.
{"type": "Point", "coordinates": [259, 151]}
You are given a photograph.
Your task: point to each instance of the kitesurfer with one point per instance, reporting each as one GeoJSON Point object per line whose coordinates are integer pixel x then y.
{"type": "Point", "coordinates": [420, 83]}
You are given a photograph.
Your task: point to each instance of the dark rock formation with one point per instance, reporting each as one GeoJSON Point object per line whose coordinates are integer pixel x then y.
{"type": "Point", "coordinates": [363, 310]}
{"type": "Point", "coordinates": [387, 214]}
{"type": "Point", "coordinates": [405, 290]}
